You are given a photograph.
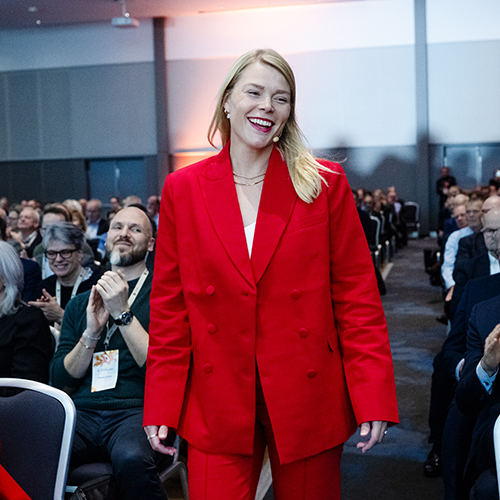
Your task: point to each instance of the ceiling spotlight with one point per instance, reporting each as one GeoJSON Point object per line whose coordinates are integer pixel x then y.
{"type": "Point", "coordinates": [125, 21]}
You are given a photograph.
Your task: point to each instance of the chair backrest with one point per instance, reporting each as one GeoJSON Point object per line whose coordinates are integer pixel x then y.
{"type": "Point", "coordinates": [411, 211]}
{"type": "Point", "coordinates": [36, 434]}
{"type": "Point", "coordinates": [376, 222]}
{"type": "Point", "coordinates": [496, 444]}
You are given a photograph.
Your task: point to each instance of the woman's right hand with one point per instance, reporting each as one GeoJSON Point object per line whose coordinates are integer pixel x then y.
{"type": "Point", "coordinates": [155, 436]}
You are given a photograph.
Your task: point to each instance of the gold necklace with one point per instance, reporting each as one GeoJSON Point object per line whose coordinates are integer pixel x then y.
{"type": "Point", "coordinates": [249, 183]}
{"type": "Point", "coordinates": [248, 178]}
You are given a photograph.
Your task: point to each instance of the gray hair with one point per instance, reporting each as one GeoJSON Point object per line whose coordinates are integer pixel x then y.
{"type": "Point", "coordinates": [65, 232]}
{"type": "Point", "coordinates": [12, 276]}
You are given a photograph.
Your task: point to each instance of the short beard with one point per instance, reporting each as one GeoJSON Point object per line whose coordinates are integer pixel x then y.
{"type": "Point", "coordinates": [126, 259]}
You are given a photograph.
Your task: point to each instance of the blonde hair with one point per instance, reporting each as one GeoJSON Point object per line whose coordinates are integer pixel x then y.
{"type": "Point", "coordinates": [303, 168]}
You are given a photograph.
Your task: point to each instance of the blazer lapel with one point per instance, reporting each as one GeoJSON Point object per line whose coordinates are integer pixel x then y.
{"type": "Point", "coordinates": [217, 187]}
{"type": "Point", "coordinates": [276, 205]}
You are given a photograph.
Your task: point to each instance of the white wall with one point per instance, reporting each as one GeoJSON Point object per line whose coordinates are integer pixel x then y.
{"type": "Point", "coordinates": [81, 45]}
{"type": "Point", "coordinates": [464, 74]}
{"type": "Point", "coordinates": [353, 61]}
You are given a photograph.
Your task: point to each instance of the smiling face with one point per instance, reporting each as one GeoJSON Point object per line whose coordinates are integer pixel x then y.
{"type": "Point", "coordinates": [67, 267]}
{"type": "Point", "coordinates": [129, 237]}
{"type": "Point", "coordinates": [259, 105]}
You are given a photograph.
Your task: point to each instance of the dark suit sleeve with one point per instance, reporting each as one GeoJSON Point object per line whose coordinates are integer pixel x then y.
{"type": "Point", "coordinates": [34, 346]}
{"type": "Point", "coordinates": [461, 275]}
{"type": "Point", "coordinates": [464, 249]}
{"type": "Point", "coordinates": [455, 344]}
{"type": "Point", "coordinates": [32, 280]}
{"type": "Point", "coordinates": [470, 393]}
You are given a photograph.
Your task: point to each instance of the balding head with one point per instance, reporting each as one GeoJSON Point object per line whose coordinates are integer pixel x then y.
{"type": "Point", "coordinates": [491, 203]}
{"type": "Point", "coordinates": [491, 227]}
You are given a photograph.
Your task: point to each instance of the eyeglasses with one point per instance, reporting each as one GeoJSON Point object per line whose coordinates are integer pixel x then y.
{"type": "Point", "coordinates": [65, 254]}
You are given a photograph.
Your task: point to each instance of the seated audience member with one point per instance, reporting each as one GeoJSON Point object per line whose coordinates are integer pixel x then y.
{"type": "Point", "coordinates": [52, 214]}
{"type": "Point", "coordinates": [114, 205]}
{"type": "Point", "coordinates": [153, 207]}
{"type": "Point", "coordinates": [478, 396]}
{"type": "Point", "coordinates": [448, 365]}
{"type": "Point", "coordinates": [131, 200]}
{"type": "Point", "coordinates": [83, 204]}
{"type": "Point", "coordinates": [109, 325]}
{"type": "Point", "coordinates": [469, 225]}
{"type": "Point", "coordinates": [473, 245]}
{"type": "Point", "coordinates": [12, 218]}
{"type": "Point", "coordinates": [28, 224]}
{"type": "Point", "coordinates": [63, 242]}
{"type": "Point", "coordinates": [78, 219]}
{"type": "Point", "coordinates": [451, 224]}
{"type": "Point", "coordinates": [395, 206]}
{"type": "Point", "coordinates": [26, 344]}
{"type": "Point", "coordinates": [446, 212]}
{"type": "Point", "coordinates": [32, 272]}
{"type": "Point", "coordinates": [96, 226]}
{"type": "Point", "coordinates": [72, 204]}
{"type": "Point", "coordinates": [483, 265]}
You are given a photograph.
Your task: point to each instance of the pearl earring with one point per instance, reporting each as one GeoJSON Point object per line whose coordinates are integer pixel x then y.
{"type": "Point", "coordinates": [228, 115]}
{"type": "Point", "coordinates": [276, 139]}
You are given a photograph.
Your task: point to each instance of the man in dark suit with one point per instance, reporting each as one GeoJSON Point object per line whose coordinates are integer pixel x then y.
{"type": "Point", "coordinates": [447, 364]}
{"type": "Point", "coordinates": [96, 225]}
{"type": "Point", "coordinates": [473, 245]}
{"type": "Point", "coordinates": [483, 265]}
{"type": "Point", "coordinates": [478, 393]}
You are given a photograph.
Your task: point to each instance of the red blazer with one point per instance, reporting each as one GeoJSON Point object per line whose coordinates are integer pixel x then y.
{"type": "Point", "coordinates": [305, 308]}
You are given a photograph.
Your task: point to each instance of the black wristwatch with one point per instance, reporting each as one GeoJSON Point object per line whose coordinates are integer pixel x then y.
{"type": "Point", "coordinates": [125, 318]}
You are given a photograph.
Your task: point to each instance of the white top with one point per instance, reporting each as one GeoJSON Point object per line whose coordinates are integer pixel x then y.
{"type": "Point", "coordinates": [249, 234]}
{"type": "Point", "coordinates": [450, 254]}
{"type": "Point", "coordinates": [494, 264]}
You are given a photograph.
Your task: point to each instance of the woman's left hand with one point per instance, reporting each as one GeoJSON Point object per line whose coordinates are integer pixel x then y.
{"type": "Point", "coordinates": [378, 429]}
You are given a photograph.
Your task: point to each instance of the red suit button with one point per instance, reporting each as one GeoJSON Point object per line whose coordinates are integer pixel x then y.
{"type": "Point", "coordinates": [207, 368]}
{"type": "Point", "coordinates": [311, 373]}
{"type": "Point", "coordinates": [210, 290]}
{"type": "Point", "coordinates": [296, 294]}
{"type": "Point", "coordinates": [303, 332]}
{"type": "Point", "coordinates": [211, 328]}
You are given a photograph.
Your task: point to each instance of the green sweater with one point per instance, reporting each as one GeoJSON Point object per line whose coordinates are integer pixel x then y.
{"type": "Point", "coordinates": [129, 390]}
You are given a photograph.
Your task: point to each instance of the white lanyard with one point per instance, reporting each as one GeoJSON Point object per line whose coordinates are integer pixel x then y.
{"type": "Point", "coordinates": [132, 297]}
{"type": "Point", "coordinates": [75, 287]}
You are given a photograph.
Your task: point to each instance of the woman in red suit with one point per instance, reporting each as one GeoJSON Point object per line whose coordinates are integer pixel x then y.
{"type": "Point", "coordinates": [266, 323]}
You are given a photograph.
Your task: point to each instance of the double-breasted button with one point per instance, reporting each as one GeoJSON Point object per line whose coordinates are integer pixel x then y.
{"type": "Point", "coordinates": [207, 368]}
{"type": "Point", "coordinates": [211, 329]}
{"type": "Point", "coordinates": [311, 373]}
{"type": "Point", "coordinates": [210, 290]}
{"type": "Point", "coordinates": [303, 332]}
{"type": "Point", "coordinates": [296, 294]}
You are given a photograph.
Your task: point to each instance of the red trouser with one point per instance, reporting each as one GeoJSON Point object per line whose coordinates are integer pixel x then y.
{"type": "Point", "coordinates": [235, 477]}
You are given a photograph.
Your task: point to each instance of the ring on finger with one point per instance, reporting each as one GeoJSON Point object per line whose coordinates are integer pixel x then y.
{"type": "Point", "coordinates": [152, 436]}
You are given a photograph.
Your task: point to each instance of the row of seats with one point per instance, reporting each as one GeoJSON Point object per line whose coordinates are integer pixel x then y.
{"type": "Point", "coordinates": [36, 437]}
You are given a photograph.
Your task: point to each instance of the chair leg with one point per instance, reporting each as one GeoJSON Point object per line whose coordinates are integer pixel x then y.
{"type": "Point", "coordinates": [184, 482]}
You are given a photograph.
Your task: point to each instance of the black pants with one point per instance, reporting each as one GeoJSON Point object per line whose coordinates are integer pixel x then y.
{"type": "Point", "coordinates": [117, 436]}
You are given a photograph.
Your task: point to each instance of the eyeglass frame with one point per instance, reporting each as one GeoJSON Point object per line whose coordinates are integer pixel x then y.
{"type": "Point", "coordinates": [53, 254]}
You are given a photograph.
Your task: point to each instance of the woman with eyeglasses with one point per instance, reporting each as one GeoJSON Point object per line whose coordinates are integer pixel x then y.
{"type": "Point", "coordinates": [26, 345]}
{"type": "Point", "coordinates": [63, 242]}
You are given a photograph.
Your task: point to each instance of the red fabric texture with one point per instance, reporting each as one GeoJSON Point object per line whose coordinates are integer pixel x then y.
{"type": "Point", "coordinates": [305, 308]}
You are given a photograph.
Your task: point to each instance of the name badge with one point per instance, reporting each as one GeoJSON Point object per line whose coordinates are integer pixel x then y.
{"type": "Point", "coordinates": [104, 370]}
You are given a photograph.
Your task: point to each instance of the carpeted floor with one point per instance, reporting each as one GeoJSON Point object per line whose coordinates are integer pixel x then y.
{"type": "Point", "coordinates": [393, 470]}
